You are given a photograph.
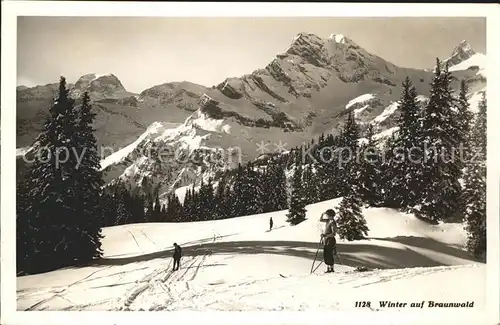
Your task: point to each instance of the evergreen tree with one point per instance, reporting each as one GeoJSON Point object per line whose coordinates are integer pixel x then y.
{"type": "Point", "coordinates": [274, 181]}
{"type": "Point", "coordinates": [138, 213]}
{"type": "Point", "coordinates": [229, 204]}
{"type": "Point", "coordinates": [150, 208]}
{"type": "Point", "coordinates": [174, 210]}
{"type": "Point", "coordinates": [327, 154]}
{"type": "Point", "coordinates": [407, 181]}
{"type": "Point", "coordinates": [109, 204]}
{"type": "Point", "coordinates": [157, 216]}
{"type": "Point", "coordinates": [370, 171]}
{"type": "Point", "coordinates": [296, 211]}
{"type": "Point", "coordinates": [280, 188]}
{"type": "Point", "coordinates": [246, 192]}
{"type": "Point", "coordinates": [348, 176]}
{"type": "Point", "coordinates": [25, 226]}
{"type": "Point", "coordinates": [221, 201]}
{"type": "Point", "coordinates": [169, 213]}
{"type": "Point", "coordinates": [267, 187]}
{"type": "Point", "coordinates": [463, 120]}
{"type": "Point", "coordinates": [123, 214]}
{"type": "Point", "coordinates": [164, 214]}
{"type": "Point", "coordinates": [87, 181]}
{"type": "Point", "coordinates": [390, 171]}
{"type": "Point", "coordinates": [53, 227]}
{"type": "Point", "coordinates": [310, 185]}
{"type": "Point", "coordinates": [475, 187]}
{"type": "Point", "coordinates": [442, 193]}
{"type": "Point", "coordinates": [188, 205]}
{"type": "Point", "coordinates": [351, 222]}
{"type": "Point", "coordinates": [210, 200]}
{"type": "Point", "coordinates": [252, 191]}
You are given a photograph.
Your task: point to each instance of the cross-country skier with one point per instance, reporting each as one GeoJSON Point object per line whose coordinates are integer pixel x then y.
{"type": "Point", "coordinates": [328, 239]}
{"type": "Point", "coordinates": [270, 223]}
{"type": "Point", "coordinates": [177, 256]}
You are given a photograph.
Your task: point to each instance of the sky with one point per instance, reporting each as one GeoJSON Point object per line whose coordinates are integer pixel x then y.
{"type": "Point", "coordinates": [147, 51]}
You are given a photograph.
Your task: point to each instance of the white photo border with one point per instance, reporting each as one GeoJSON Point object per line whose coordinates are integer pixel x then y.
{"type": "Point", "coordinates": [12, 9]}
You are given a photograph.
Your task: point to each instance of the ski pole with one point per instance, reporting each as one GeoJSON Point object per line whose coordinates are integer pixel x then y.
{"type": "Point", "coordinates": [316, 256]}
{"type": "Point", "coordinates": [317, 267]}
{"type": "Point", "coordinates": [338, 255]}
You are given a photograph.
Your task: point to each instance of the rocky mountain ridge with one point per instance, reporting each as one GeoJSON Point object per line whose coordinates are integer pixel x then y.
{"type": "Point", "coordinates": [302, 92]}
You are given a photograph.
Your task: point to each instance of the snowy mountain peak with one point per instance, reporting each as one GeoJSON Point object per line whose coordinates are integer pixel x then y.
{"type": "Point", "coordinates": [107, 85]}
{"type": "Point", "coordinates": [461, 52]}
{"type": "Point", "coordinates": [463, 47]}
{"type": "Point", "coordinates": [339, 38]}
{"type": "Point", "coordinates": [304, 39]}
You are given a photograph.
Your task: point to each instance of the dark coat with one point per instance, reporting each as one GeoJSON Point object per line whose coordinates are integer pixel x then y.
{"type": "Point", "coordinates": [177, 252]}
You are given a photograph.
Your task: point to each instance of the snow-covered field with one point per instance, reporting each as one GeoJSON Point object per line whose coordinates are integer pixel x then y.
{"type": "Point", "coordinates": [238, 264]}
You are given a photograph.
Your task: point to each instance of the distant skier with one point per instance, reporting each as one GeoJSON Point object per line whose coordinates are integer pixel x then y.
{"type": "Point", "coordinates": [328, 239]}
{"type": "Point", "coordinates": [177, 256]}
{"type": "Point", "coordinates": [270, 223]}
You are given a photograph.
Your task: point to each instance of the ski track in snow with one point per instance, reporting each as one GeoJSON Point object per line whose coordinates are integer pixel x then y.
{"type": "Point", "coordinates": [218, 273]}
{"type": "Point", "coordinates": [161, 279]}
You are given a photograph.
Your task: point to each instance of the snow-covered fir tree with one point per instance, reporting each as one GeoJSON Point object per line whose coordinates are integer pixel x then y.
{"type": "Point", "coordinates": [370, 182]}
{"type": "Point", "coordinates": [273, 181]}
{"type": "Point", "coordinates": [440, 199]}
{"type": "Point", "coordinates": [174, 211]}
{"type": "Point", "coordinates": [157, 216]}
{"type": "Point", "coordinates": [150, 208]}
{"type": "Point", "coordinates": [475, 187]}
{"type": "Point", "coordinates": [138, 209]}
{"type": "Point", "coordinates": [349, 155]}
{"type": "Point", "coordinates": [327, 167]}
{"type": "Point", "coordinates": [247, 193]}
{"type": "Point", "coordinates": [53, 226]}
{"type": "Point", "coordinates": [237, 206]}
{"type": "Point", "coordinates": [351, 223]}
{"type": "Point", "coordinates": [87, 181]}
{"type": "Point", "coordinates": [221, 202]}
{"type": "Point", "coordinates": [206, 202]}
{"type": "Point", "coordinates": [188, 205]}
{"type": "Point", "coordinates": [296, 209]}
{"type": "Point", "coordinates": [123, 213]}
{"type": "Point", "coordinates": [407, 181]}
{"type": "Point", "coordinates": [390, 169]}
{"type": "Point", "coordinates": [253, 191]}
{"type": "Point", "coordinates": [463, 123]}
{"type": "Point", "coordinates": [310, 185]}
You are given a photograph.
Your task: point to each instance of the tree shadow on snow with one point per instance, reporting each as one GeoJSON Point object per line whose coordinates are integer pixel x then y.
{"type": "Point", "coordinates": [432, 245]}
{"type": "Point", "coordinates": [360, 253]}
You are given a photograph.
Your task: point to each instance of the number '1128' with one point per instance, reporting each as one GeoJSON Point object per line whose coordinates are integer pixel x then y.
{"type": "Point", "coordinates": [362, 304]}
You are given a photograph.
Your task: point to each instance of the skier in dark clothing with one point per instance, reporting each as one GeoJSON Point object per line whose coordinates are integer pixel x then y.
{"type": "Point", "coordinates": [328, 239]}
{"type": "Point", "coordinates": [177, 256]}
{"type": "Point", "coordinates": [270, 223]}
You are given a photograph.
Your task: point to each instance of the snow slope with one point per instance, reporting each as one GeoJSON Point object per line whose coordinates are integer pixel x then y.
{"type": "Point", "coordinates": [388, 111]}
{"type": "Point", "coordinates": [238, 264]}
{"type": "Point", "coordinates": [121, 154]}
{"type": "Point", "coordinates": [477, 59]}
{"type": "Point", "coordinates": [359, 99]}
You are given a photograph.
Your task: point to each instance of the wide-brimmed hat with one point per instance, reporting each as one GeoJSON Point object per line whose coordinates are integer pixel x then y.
{"type": "Point", "coordinates": [330, 213]}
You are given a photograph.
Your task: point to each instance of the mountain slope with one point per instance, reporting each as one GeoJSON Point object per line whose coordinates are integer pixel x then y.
{"type": "Point", "coordinates": [304, 91]}
{"type": "Point", "coordinates": [235, 264]}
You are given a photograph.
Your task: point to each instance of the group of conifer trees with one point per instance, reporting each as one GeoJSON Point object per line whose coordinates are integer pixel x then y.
{"type": "Point", "coordinates": [59, 199]}
{"type": "Point", "coordinates": [434, 165]}
{"type": "Point", "coordinates": [62, 204]}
